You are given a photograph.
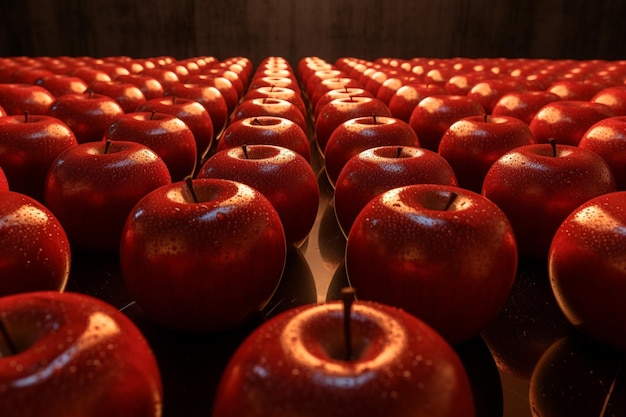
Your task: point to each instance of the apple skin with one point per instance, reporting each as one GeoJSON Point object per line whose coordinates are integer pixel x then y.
{"type": "Point", "coordinates": [567, 120]}
{"type": "Point", "coordinates": [28, 146]}
{"type": "Point", "coordinates": [78, 356]}
{"type": "Point", "coordinates": [614, 97]}
{"type": "Point", "coordinates": [127, 95]}
{"type": "Point", "coordinates": [471, 145]}
{"type": "Point", "coordinates": [35, 250]}
{"type": "Point", "coordinates": [433, 115]}
{"type": "Point", "coordinates": [293, 365]}
{"type": "Point", "coordinates": [92, 189]}
{"type": "Point", "coordinates": [4, 183]}
{"type": "Point", "coordinates": [87, 114]}
{"type": "Point", "coordinates": [266, 130]}
{"type": "Point", "coordinates": [283, 176]}
{"type": "Point", "coordinates": [361, 133]}
{"type": "Point", "coordinates": [269, 107]}
{"type": "Point", "coordinates": [537, 190]}
{"type": "Point", "coordinates": [19, 98]}
{"type": "Point", "coordinates": [195, 116]}
{"type": "Point", "coordinates": [523, 104]}
{"type": "Point", "coordinates": [408, 250]}
{"type": "Point", "coordinates": [402, 103]}
{"type": "Point", "coordinates": [607, 138]}
{"type": "Point", "coordinates": [379, 169]}
{"type": "Point", "coordinates": [585, 274]}
{"type": "Point", "coordinates": [167, 135]}
{"type": "Point", "coordinates": [343, 109]}
{"type": "Point", "coordinates": [207, 266]}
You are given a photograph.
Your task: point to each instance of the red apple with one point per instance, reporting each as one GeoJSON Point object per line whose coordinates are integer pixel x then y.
{"type": "Point", "coordinates": [149, 86]}
{"type": "Point", "coordinates": [406, 98]}
{"type": "Point", "coordinates": [165, 77]}
{"type": "Point", "coordinates": [28, 146]}
{"type": "Point", "coordinates": [607, 138]}
{"type": "Point", "coordinates": [223, 84]}
{"type": "Point", "coordinates": [207, 95]}
{"type": "Point", "coordinates": [283, 176]}
{"type": "Point", "coordinates": [89, 74]}
{"type": "Point", "coordinates": [16, 98]}
{"type": "Point", "coordinates": [286, 82]}
{"type": "Point", "coordinates": [330, 84]}
{"type": "Point", "coordinates": [167, 135]}
{"type": "Point", "coordinates": [538, 185]}
{"type": "Point", "coordinates": [29, 74]}
{"type": "Point", "coordinates": [266, 130]}
{"type": "Point", "coordinates": [361, 133]}
{"type": "Point", "coordinates": [613, 97]}
{"type": "Point", "coordinates": [379, 169]}
{"type": "Point", "coordinates": [567, 120]}
{"type": "Point", "coordinates": [269, 107]}
{"type": "Point", "coordinates": [437, 251]}
{"type": "Point", "coordinates": [488, 92]}
{"type": "Point", "coordinates": [58, 84]}
{"type": "Point", "coordinates": [433, 115]}
{"type": "Point", "coordinates": [282, 93]}
{"type": "Point", "coordinates": [35, 251]}
{"type": "Point", "coordinates": [471, 145]}
{"type": "Point", "coordinates": [523, 104]}
{"type": "Point", "coordinates": [87, 114]}
{"type": "Point", "coordinates": [582, 90]}
{"type": "Point", "coordinates": [92, 187]}
{"type": "Point", "coordinates": [299, 363]}
{"type": "Point", "coordinates": [339, 93]}
{"type": "Point", "coordinates": [127, 95]}
{"type": "Point", "coordinates": [341, 110]}
{"type": "Point", "coordinates": [585, 273]}
{"type": "Point", "coordinates": [195, 116]}
{"type": "Point", "coordinates": [70, 354]}
{"type": "Point", "coordinates": [202, 255]}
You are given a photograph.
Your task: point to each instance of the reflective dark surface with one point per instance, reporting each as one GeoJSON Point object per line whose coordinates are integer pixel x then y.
{"type": "Point", "coordinates": [500, 363]}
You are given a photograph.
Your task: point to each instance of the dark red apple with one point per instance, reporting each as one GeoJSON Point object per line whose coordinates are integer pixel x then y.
{"type": "Point", "coordinates": [149, 86]}
{"type": "Point", "coordinates": [487, 92]}
{"type": "Point", "coordinates": [92, 187]}
{"type": "Point", "coordinates": [379, 169]}
{"type": "Point", "coordinates": [59, 84]}
{"type": "Point", "coordinates": [266, 130]}
{"type": "Point", "coordinates": [283, 176]}
{"type": "Point", "coordinates": [207, 95]}
{"type": "Point", "coordinates": [361, 133]}
{"type": "Point", "coordinates": [538, 186]}
{"type": "Point", "coordinates": [70, 354]}
{"type": "Point", "coordinates": [269, 107]}
{"type": "Point", "coordinates": [614, 97]}
{"type": "Point", "coordinates": [406, 98]}
{"type": "Point", "coordinates": [607, 138]}
{"type": "Point", "coordinates": [584, 265]}
{"type": "Point", "coordinates": [35, 251]}
{"type": "Point", "coordinates": [471, 145]}
{"type": "Point", "coordinates": [87, 114]}
{"type": "Point", "coordinates": [127, 95]}
{"type": "Point", "coordinates": [203, 255]}
{"type": "Point", "coordinates": [433, 115]}
{"type": "Point", "coordinates": [523, 105]}
{"type": "Point", "coordinates": [28, 146]}
{"type": "Point", "coordinates": [299, 363]}
{"type": "Point", "coordinates": [18, 98]}
{"type": "Point", "coordinates": [437, 251]}
{"type": "Point", "coordinates": [167, 135]}
{"type": "Point", "coordinates": [567, 120]}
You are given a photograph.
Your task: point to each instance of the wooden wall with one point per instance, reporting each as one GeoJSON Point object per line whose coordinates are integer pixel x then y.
{"type": "Point", "coordinates": [580, 29]}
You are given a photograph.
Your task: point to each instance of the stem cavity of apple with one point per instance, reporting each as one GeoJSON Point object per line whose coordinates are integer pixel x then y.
{"type": "Point", "coordinates": [7, 338]}
{"type": "Point", "coordinates": [189, 182]}
{"type": "Point", "coordinates": [244, 148]}
{"type": "Point", "coordinates": [107, 146]}
{"type": "Point", "coordinates": [347, 296]}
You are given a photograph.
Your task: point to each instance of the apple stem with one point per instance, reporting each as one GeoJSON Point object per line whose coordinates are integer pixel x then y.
{"type": "Point", "coordinates": [485, 117]}
{"type": "Point", "coordinates": [173, 99]}
{"type": "Point", "coordinates": [256, 121]}
{"type": "Point", "coordinates": [5, 335]}
{"type": "Point", "coordinates": [26, 117]}
{"type": "Point", "coordinates": [152, 115]}
{"type": "Point", "coordinates": [451, 199]}
{"type": "Point", "coordinates": [399, 151]}
{"type": "Point", "coordinates": [347, 295]}
{"type": "Point", "coordinates": [552, 143]}
{"type": "Point", "coordinates": [244, 148]}
{"type": "Point", "coordinates": [107, 146]}
{"type": "Point", "coordinates": [189, 182]}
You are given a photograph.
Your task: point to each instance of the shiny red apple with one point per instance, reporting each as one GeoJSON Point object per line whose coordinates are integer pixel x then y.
{"type": "Point", "coordinates": [607, 138]}
{"type": "Point", "coordinates": [203, 255]}
{"type": "Point", "coordinates": [437, 251]}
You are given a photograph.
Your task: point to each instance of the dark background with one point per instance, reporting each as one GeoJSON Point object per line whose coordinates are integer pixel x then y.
{"type": "Point", "coordinates": [368, 29]}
